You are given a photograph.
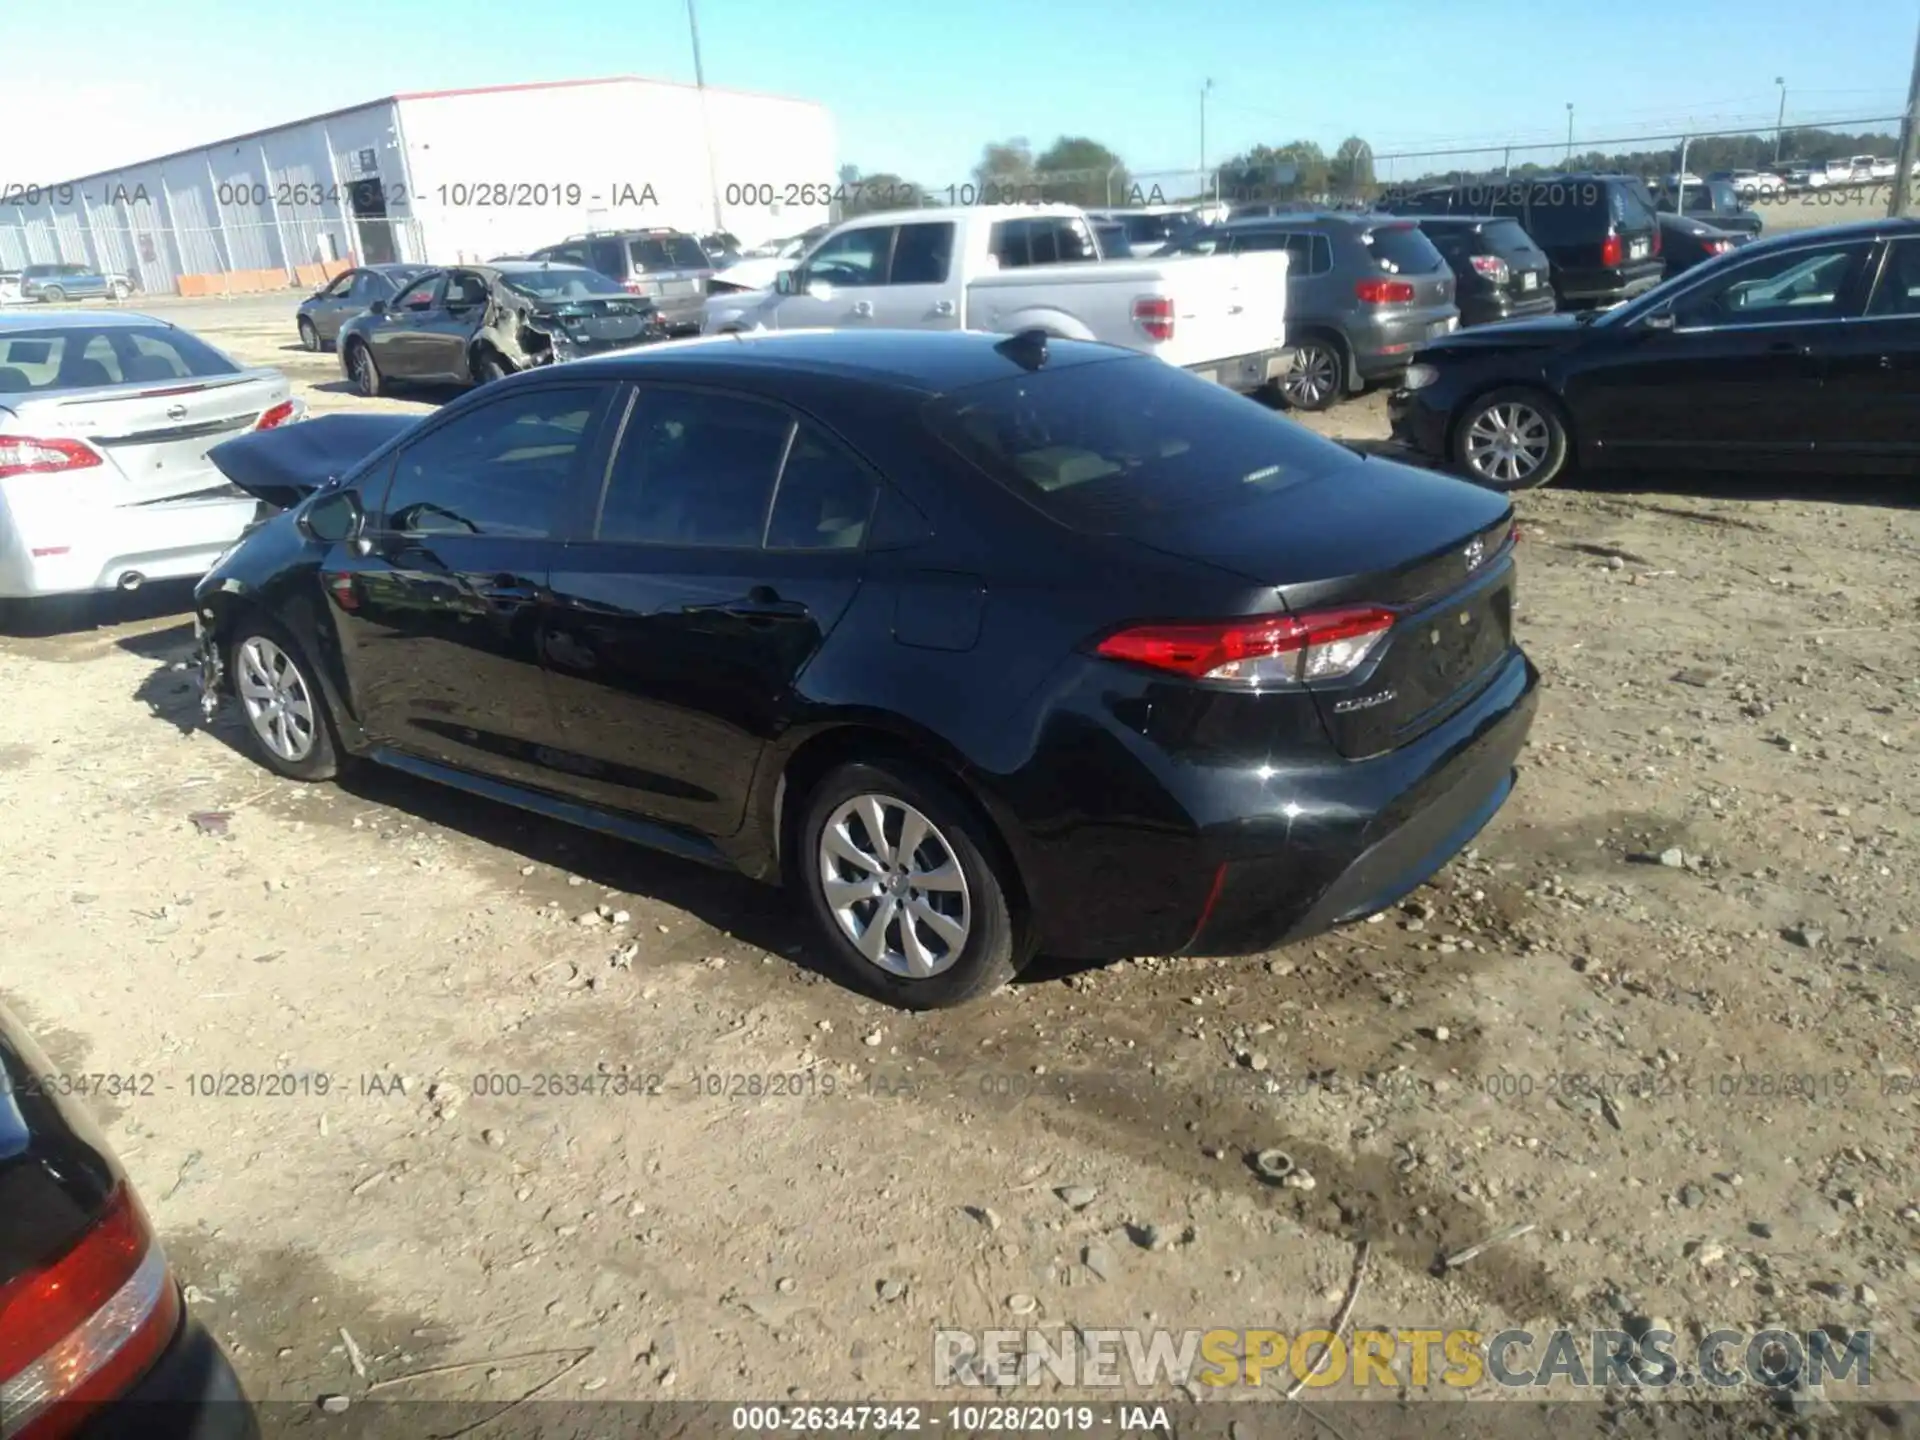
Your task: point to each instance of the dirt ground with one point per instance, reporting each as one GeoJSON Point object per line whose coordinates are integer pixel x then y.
{"type": "Point", "coordinates": [384, 1070]}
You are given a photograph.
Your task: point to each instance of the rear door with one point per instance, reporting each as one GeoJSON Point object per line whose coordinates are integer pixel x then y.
{"type": "Point", "coordinates": [446, 329]}
{"type": "Point", "coordinates": [727, 546]}
{"type": "Point", "coordinates": [1741, 376]}
{"type": "Point", "coordinates": [918, 293]}
{"type": "Point", "coordinates": [440, 623]}
{"type": "Point", "coordinates": [401, 345]}
{"type": "Point", "coordinates": [1873, 374]}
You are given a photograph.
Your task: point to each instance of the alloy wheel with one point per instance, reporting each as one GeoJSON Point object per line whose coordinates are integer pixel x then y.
{"type": "Point", "coordinates": [277, 702]}
{"type": "Point", "coordinates": [1314, 377]}
{"type": "Point", "coordinates": [895, 886]}
{"type": "Point", "coordinates": [363, 371]}
{"type": "Point", "coordinates": [1507, 443]}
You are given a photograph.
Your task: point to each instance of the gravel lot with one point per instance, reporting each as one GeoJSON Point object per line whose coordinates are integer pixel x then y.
{"type": "Point", "coordinates": [1666, 1011]}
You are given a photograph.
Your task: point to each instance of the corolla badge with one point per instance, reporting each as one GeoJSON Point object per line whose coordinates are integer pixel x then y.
{"type": "Point", "coordinates": [1476, 552]}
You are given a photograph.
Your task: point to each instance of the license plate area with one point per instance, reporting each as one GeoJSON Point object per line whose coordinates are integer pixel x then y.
{"type": "Point", "coordinates": [1639, 249]}
{"type": "Point", "coordinates": [1529, 281]}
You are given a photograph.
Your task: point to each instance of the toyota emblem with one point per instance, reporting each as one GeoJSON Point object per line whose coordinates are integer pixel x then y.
{"type": "Point", "coordinates": [179, 412]}
{"type": "Point", "coordinates": [1476, 552]}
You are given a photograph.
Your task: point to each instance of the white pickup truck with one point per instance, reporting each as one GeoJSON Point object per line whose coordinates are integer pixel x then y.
{"type": "Point", "coordinates": [1011, 268]}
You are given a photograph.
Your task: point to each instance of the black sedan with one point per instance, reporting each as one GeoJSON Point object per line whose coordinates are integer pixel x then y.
{"type": "Point", "coordinates": [1686, 242]}
{"type": "Point", "coordinates": [1801, 352]}
{"type": "Point", "coordinates": [322, 313]}
{"type": "Point", "coordinates": [95, 1336]}
{"type": "Point", "coordinates": [474, 323]}
{"type": "Point", "coordinates": [983, 644]}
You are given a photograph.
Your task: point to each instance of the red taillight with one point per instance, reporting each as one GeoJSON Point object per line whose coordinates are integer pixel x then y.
{"type": "Point", "coordinates": [1271, 650]}
{"type": "Point", "coordinates": [1613, 250]}
{"type": "Point", "coordinates": [1383, 292]}
{"type": "Point", "coordinates": [82, 1329]}
{"type": "Point", "coordinates": [1154, 315]}
{"type": "Point", "coordinates": [278, 415]}
{"type": "Point", "coordinates": [641, 287]}
{"type": "Point", "coordinates": [24, 455]}
{"type": "Point", "coordinates": [1718, 247]}
{"type": "Point", "coordinates": [1491, 266]}
{"type": "Point", "coordinates": [1659, 240]}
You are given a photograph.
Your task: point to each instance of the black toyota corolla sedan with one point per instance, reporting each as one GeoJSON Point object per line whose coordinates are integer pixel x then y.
{"type": "Point", "coordinates": [95, 1339]}
{"type": "Point", "coordinates": [985, 645]}
{"type": "Point", "coordinates": [1801, 352]}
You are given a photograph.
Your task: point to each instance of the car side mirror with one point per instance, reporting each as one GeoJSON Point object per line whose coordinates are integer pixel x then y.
{"type": "Point", "coordinates": [334, 518]}
{"type": "Point", "coordinates": [377, 307]}
{"type": "Point", "coordinates": [1658, 320]}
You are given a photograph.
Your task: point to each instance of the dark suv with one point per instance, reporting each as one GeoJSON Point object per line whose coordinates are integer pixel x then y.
{"type": "Point", "coordinates": [1363, 293]}
{"type": "Point", "coordinates": [1501, 273]}
{"type": "Point", "coordinates": [667, 266]}
{"type": "Point", "coordinates": [1599, 231]}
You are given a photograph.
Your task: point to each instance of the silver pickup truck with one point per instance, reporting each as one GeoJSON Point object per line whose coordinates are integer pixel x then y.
{"type": "Point", "coordinates": [1012, 268]}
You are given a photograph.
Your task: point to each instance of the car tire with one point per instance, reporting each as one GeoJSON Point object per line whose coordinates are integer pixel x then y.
{"type": "Point", "coordinates": [488, 367]}
{"type": "Point", "coordinates": [309, 336]}
{"type": "Point", "coordinates": [289, 728]}
{"type": "Point", "coordinates": [365, 371]}
{"type": "Point", "coordinates": [1318, 376]}
{"type": "Point", "coordinates": [52, 295]}
{"type": "Point", "coordinates": [1513, 438]}
{"type": "Point", "coordinates": [119, 291]}
{"type": "Point", "coordinates": [966, 934]}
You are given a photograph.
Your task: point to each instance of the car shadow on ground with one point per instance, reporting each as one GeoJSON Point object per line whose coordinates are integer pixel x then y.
{"type": "Point", "coordinates": [52, 616]}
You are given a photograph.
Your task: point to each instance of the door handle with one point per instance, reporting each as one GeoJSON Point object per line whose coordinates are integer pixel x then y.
{"type": "Point", "coordinates": [507, 590]}
{"type": "Point", "coordinates": [770, 609]}
{"type": "Point", "coordinates": [863, 307]}
{"type": "Point", "coordinates": [1789, 347]}
{"type": "Point", "coordinates": [945, 307]}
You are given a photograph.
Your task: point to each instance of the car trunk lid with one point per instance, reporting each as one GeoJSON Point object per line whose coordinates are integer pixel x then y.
{"type": "Point", "coordinates": [600, 322]}
{"type": "Point", "coordinates": [283, 467]}
{"type": "Point", "coordinates": [1434, 552]}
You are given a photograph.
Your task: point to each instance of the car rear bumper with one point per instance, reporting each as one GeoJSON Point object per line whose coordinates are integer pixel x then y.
{"type": "Point", "coordinates": [1287, 849]}
{"type": "Point", "coordinates": [191, 1393]}
{"type": "Point", "coordinates": [1244, 373]}
{"type": "Point", "coordinates": [58, 549]}
{"type": "Point", "coordinates": [1386, 345]}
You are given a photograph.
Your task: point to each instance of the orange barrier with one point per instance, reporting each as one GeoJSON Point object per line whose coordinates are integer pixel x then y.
{"type": "Point", "coordinates": [255, 282]}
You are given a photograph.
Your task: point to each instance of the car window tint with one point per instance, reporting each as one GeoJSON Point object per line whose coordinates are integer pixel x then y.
{"type": "Point", "coordinates": [853, 257]}
{"type": "Point", "coordinates": [604, 256]}
{"type": "Point", "coordinates": [1010, 245]}
{"type": "Point", "coordinates": [824, 499]}
{"type": "Point", "coordinates": [1776, 289]}
{"type": "Point", "coordinates": [1120, 447]}
{"type": "Point", "coordinates": [501, 469]}
{"type": "Point", "coordinates": [695, 468]}
{"type": "Point", "coordinates": [1260, 240]}
{"type": "Point", "coordinates": [922, 255]}
{"type": "Point", "coordinates": [667, 252]}
{"type": "Point", "coordinates": [1403, 250]}
{"type": "Point", "coordinates": [1898, 292]}
{"type": "Point", "coordinates": [344, 286]}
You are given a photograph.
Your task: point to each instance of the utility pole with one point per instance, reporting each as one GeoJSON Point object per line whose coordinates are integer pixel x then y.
{"type": "Point", "coordinates": [1569, 132]}
{"type": "Point", "coordinates": [1204, 88]}
{"type": "Point", "coordinates": [1909, 143]}
{"type": "Point", "coordinates": [1780, 125]}
{"type": "Point", "coordinates": [706, 119]}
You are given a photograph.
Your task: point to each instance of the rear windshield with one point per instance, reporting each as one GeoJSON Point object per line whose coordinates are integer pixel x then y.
{"type": "Point", "coordinates": [1116, 447]}
{"type": "Point", "coordinates": [668, 252]}
{"type": "Point", "coordinates": [74, 358]}
{"type": "Point", "coordinates": [1503, 237]}
{"type": "Point", "coordinates": [561, 282]}
{"type": "Point", "coordinates": [1403, 250]}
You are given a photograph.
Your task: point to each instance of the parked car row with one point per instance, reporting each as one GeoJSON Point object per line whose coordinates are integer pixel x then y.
{"type": "Point", "coordinates": [57, 283]}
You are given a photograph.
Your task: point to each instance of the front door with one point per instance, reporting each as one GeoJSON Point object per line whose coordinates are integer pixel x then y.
{"type": "Point", "coordinates": [1738, 380]}
{"type": "Point", "coordinates": [440, 622]}
{"type": "Point", "coordinates": [1874, 377]}
{"type": "Point", "coordinates": [837, 286]}
{"type": "Point", "coordinates": [336, 305]}
{"type": "Point", "coordinates": [727, 547]}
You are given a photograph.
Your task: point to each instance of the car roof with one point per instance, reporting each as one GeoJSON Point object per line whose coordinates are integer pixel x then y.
{"type": "Point", "coordinates": [528, 267]}
{"type": "Point", "coordinates": [1462, 220]}
{"type": "Point", "coordinates": [1906, 226]}
{"type": "Point", "coordinates": [406, 266]}
{"type": "Point", "coordinates": [77, 320]}
{"type": "Point", "coordinates": [1366, 219]}
{"type": "Point", "coordinates": [931, 362]}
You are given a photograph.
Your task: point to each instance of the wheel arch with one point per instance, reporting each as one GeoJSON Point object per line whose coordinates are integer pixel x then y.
{"type": "Point", "coordinates": [1334, 336]}
{"type": "Point", "coordinates": [225, 611]}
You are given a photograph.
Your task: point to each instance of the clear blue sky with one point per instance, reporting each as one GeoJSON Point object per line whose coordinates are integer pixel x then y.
{"type": "Point", "coordinates": [917, 86]}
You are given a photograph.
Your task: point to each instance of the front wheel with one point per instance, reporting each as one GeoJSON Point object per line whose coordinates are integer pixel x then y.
{"type": "Point", "coordinates": [367, 378]}
{"type": "Point", "coordinates": [309, 336]}
{"type": "Point", "coordinates": [899, 880]}
{"type": "Point", "coordinates": [120, 290]}
{"type": "Point", "coordinates": [286, 711]}
{"type": "Point", "coordinates": [53, 295]}
{"type": "Point", "coordinates": [1512, 439]}
{"type": "Point", "coordinates": [1316, 377]}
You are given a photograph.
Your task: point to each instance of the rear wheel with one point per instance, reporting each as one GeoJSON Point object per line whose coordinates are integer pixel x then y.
{"type": "Point", "coordinates": [53, 295]}
{"type": "Point", "coordinates": [367, 378]}
{"type": "Point", "coordinates": [286, 711]}
{"type": "Point", "coordinates": [898, 876]}
{"type": "Point", "coordinates": [121, 290]}
{"type": "Point", "coordinates": [1511, 439]}
{"type": "Point", "coordinates": [309, 337]}
{"type": "Point", "coordinates": [1317, 376]}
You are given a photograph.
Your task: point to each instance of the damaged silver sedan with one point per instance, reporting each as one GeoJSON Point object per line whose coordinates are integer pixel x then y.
{"type": "Point", "coordinates": [469, 324]}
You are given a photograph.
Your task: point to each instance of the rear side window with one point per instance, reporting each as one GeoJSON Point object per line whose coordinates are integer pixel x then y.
{"type": "Point", "coordinates": [824, 497]}
{"type": "Point", "coordinates": [1403, 250]}
{"type": "Point", "coordinates": [1898, 292]}
{"type": "Point", "coordinates": [604, 256]}
{"type": "Point", "coordinates": [922, 255]}
{"type": "Point", "coordinates": [695, 468]}
{"type": "Point", "coordinates": [70, 359]}
{"type": "Point", "coordinates": [667, 252]}
{"type": "Point", "coordinates": [1116, 447]}
{"type": "Point", "coordinates": [501, 469]}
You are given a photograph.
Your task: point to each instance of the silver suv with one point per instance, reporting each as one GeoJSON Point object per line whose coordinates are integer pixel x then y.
{"type": "Point", "coordinates": [669, 267]}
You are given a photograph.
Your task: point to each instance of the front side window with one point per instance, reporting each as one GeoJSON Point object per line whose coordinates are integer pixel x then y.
{"type": "Point", "coordinates": [501, 469]}
{"type": "Point", "coordinates": [341, 288]}
{"type": "Point", "coordinates": [853, 257]}
{"type": "Point", "coordinates": [695, 468]}
{"type": "Point", "coordinates": [1798, 286]}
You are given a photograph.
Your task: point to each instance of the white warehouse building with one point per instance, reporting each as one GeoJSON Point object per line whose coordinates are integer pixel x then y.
{"type": "Point", "coordinates": [437, 177]}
